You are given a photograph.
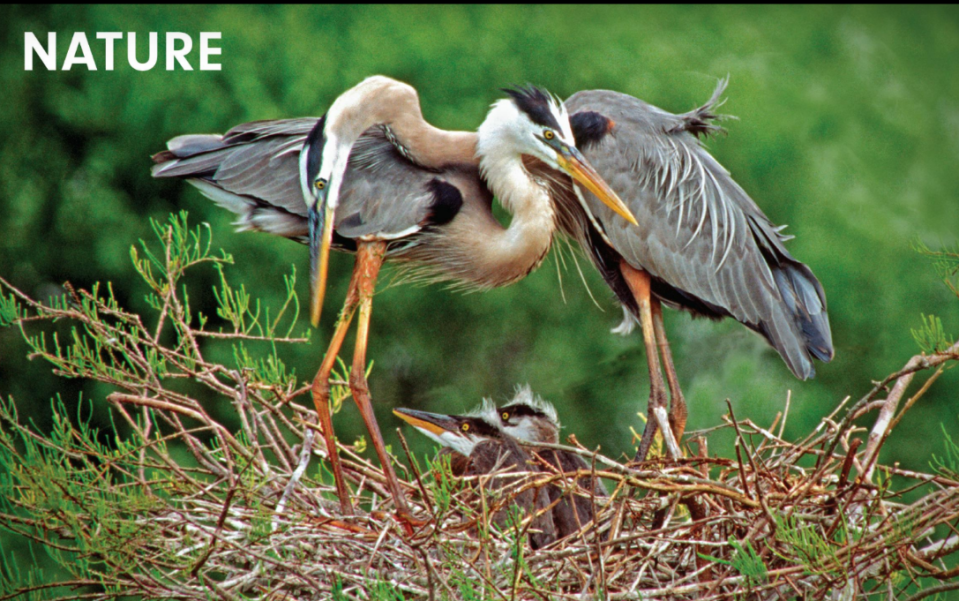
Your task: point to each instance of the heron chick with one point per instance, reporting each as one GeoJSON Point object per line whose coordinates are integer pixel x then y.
{"type": "Point", "coordinates": [530, 419]}
{"type": "Point", "coordinates": [489, 452]}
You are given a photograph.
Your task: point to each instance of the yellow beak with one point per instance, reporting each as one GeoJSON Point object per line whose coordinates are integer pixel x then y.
{"type": "Point", "coordinates": [576, 165]}
{"type": "Point", "coordinates": [321, 220]}
{"type": "Point", "coordinates": [431, 422]}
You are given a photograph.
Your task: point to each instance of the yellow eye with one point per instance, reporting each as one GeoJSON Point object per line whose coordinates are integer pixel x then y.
{"type": "Point", "coordinates": [548, 134]}
{"type": "Point", "coordinates": [465, 427]}
{"type": "Point", "coordinates": [506, 416]}
{"type": "Point", "coordinates": [320, 184]}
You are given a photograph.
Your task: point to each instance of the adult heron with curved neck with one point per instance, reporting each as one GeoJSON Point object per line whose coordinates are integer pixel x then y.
{"type": "Point", "coordinates": [380, 181]}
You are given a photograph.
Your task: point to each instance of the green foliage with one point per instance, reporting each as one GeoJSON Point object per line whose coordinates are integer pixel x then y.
{"type": "Point", "coordinates": [443, 484]}
{"type": "Point", "coordinates": [746, 561]}
{"type": "Point", "coordinates": [382, 590]}
{"type": "Point", "coordinates": [235, 307]}
{"type": "Point", "coordinates": [84, 499]}
{"type": "Point", "coordinates": [930, 337]}
{"type": "Point", "coordinates": [805, 544]}
{"type": "Point", "coordinates": [76, 488]}
{"type": "Point", "coordinates": [183, 247]}
{"type": "Point", "coordinates": [946, 263]}
{"type": "Point", "coordinates": [338, 594]}
{"type": "Point", "coordinates": [9, 310]}
{"type": "Point", "coordinates": [116, 347]}
{"type": "Point", "coordinates": [948, 464]}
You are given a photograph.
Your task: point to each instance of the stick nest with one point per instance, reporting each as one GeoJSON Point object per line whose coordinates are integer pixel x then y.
{"type": "Point", "coordinates": [239, 504]}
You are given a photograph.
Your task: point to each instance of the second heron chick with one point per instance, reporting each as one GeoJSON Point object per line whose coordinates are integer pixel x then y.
{"type": "Point", "coordinates": [489, 451]}
{"type": "Point", "coordinates": [530, 419]}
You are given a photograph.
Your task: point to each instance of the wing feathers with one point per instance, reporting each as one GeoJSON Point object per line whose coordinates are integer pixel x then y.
{"type": "Point", "coordinates": [698, 231]}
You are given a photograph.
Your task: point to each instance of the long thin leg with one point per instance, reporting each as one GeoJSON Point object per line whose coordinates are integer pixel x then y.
{"type": "Point", "coordinates": [640, 285]}
{"type": "Point", "coordinates": [369, 257]}
{"type": "Point", "coordinates": [677, 405]}
{"type": "Point", "coordinates": [321, 389]}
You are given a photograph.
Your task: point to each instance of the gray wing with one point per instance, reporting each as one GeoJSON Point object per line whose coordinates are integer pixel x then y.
{"type": "Point", "coordinates": [384, 195]}
{"type": "Point", "coordinates": [253, 171]}
{"type": "Point", "coordinates": [699, 233]}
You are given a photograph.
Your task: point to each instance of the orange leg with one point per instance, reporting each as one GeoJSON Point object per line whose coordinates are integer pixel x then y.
{"type": "Point", "coordinates": [321, 388]}
{"type": "Point", "coordinates": [640, 285]}
{"type": "Point", "coordinates": [677, 407]}
{"type": "Point", "coordinates": [369, 258]}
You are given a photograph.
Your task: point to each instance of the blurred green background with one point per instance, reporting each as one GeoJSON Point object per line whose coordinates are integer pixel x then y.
{"type": "Point", "coordinates": [848, 131]}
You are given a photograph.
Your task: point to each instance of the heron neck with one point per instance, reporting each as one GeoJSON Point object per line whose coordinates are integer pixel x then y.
{"type": "Point", "coordinates": [429, 146]}
{"type": "Point", "coordinates": [521, 246]}
{"type": "Point", "coordinates": [488, 255]}
{"type": "Point", "coordinates": [380, 100]}
{"type": "Point", "coordinates": [434, 147]}
{"type": "Point", "coordinates": [475, 249]}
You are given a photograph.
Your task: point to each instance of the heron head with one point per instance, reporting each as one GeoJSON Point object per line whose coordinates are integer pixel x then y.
{"type": "Point", "coordinates": [529, 418]}
{"type": "Point", "coordinates": [326, 152]}
{"type": "Point", "coordinates": [323, 162]}
{"type": "Point", "coordinates": [532, 122]}
{"type": "Point", "coordinates": [458, 432]}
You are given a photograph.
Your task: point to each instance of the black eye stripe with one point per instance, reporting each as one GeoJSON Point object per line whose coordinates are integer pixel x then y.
{"type": "Point", "coordinates": [314, 146]}
{"type": "Point", "coordinates": [524, 411]}
{"type": "Point", "coordinates": [477, 426]}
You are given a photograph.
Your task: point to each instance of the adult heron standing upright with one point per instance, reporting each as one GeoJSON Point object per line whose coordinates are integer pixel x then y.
{"type": "Point", "coordinates": [404, 190]}
{"type": "Point", "coordinates": [701, 244]}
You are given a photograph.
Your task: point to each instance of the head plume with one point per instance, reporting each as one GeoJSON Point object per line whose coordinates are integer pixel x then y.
{"type": "Point", "coordinates": [486, 411]}
{"type": "Point", "coordinates": [541, 107]}
{"type": "Point", "coordinates": [536, 404]}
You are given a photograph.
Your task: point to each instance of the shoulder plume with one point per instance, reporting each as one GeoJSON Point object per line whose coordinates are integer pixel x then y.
{"type": "Point", "coordinates": [700, 121]}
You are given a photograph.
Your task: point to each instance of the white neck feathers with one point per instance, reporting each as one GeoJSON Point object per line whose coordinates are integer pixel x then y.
{"type": "Point", "coordinates": [499, 148]}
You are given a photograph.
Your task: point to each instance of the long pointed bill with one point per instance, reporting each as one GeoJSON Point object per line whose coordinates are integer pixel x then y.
{"type": "Point", "coordinates": [434, 423]}
{"type": "Point", "coordinates": [575, 164]}
{"type": "Point", "coordinates": [321, 237]}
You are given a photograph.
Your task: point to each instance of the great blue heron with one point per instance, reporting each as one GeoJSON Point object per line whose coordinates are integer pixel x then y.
{"type": "Point", "coordinates": [530, 419]}
{"type": "Point", "coordinates": [403, 189]}
{"type": "Point", "coordinates": [488, 450]}
{"type": "Point", "coordinates": [701, 244]}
